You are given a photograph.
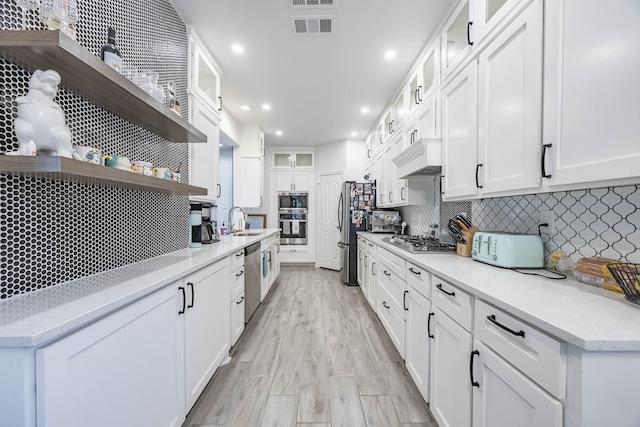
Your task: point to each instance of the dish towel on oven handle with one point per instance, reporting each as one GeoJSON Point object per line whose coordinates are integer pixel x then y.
{"type": "Point", "coordinates": [286, 227]}
{"type": "Point", "coordinates": [295, 227]}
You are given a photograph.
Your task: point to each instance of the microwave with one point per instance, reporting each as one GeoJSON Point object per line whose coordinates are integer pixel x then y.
{"type": "Point", "coordinates": [382, 221]}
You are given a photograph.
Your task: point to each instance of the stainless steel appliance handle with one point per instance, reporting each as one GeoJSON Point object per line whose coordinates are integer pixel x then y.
{"type": "Point", "coordinates": [340, 206]}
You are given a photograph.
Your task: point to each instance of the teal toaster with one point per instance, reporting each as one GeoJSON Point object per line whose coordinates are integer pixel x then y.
{"type": "Point", "coordinates": [508, 250]}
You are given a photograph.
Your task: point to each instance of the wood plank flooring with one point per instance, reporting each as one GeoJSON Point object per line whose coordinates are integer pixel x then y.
{"type": "Point", "coordinates": [313, 355]}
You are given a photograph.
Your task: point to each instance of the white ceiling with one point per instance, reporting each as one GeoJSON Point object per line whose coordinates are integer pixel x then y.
{"type": "Point", "coordinates": [316, 85]}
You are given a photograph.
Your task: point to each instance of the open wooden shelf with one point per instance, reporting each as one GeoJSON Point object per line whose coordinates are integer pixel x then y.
{"type": "Point", "coordinates": [64, 169]}
{"type": "Point", "coordinates": [88, 77]}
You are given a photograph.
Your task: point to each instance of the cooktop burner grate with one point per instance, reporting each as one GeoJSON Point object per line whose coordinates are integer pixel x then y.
{"type": "Point", "coordinates": [420, 244]}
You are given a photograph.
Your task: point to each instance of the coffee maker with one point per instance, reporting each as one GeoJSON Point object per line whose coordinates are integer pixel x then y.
{"type": "Point", "coordinates": [209, 231]}
{"type": "Point", "coordinates": [195, 221]}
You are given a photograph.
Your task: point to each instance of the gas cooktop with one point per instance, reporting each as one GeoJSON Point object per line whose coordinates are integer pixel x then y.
{"type": "Point", "coordinates": [420, 244]}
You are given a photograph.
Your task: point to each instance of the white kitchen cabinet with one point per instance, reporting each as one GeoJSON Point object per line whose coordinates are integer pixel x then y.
{"type": "Point", "coordinates": [206, 326]}
{"type": "Point", "coordinates": [237, 318]}
{"type": "Point", "coordinates": [399, 110]}
{"type": "Point", "coordinates": [248, 189]}
{"type": "Point", "coordinates": [293, 159]}
{"type": "Point", "coordinates": [371, 274]}
{"type": "Point", "coordinates": [368, 148]}
{"type": "Point", "coordinates": [471, 22]}
{"type": "Point", "coordinates": [203, 157]}
{"type": "Point", "coordinates": [426, 78]}
{"type": "Point", "coordinates": [251, 142]}
{"type": "Point", "coordinates": [450, 388]}
{"type": "Point", "coordinates": [460, 134]}
{"type": "Point", "coordinates": [504, 397]}
{"type": "Point", "coordinates": [293, 181]}
{"type": "Point", "coordinates": [381, 183]}
{"type": "Point", "coordinates": [361, 253]}
{"type": "Point", "coordinates": [204, 77]}
{"type": "Point", "coordinates": [510, 107]}
{"type": "Point", "coordinates": [418, 345]}
{"type": "Point", "coordinates": [391, 319]}
{"type": "Point", "coordinates": [592, 93]}
{"type": "Point", "coordinates": [236, 263]}
{"type": "Point", "coordinates": [124, 370]}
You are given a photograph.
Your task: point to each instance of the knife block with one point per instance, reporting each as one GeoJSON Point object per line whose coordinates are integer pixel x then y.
{"type": "Point", "coordinates": [464, 249]}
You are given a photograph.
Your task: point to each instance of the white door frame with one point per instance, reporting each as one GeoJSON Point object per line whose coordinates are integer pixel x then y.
{"type": "Point", "coordinates": [321, 202]}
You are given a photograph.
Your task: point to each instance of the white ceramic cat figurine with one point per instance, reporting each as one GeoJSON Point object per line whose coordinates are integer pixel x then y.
{"type": "Point", "coordinates": [40, 120]}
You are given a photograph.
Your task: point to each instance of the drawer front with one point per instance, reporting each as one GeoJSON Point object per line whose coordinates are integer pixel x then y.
{"type": "Point", "coordinates": [419, 279]}
{"type": "Point", "coordinates": [539, 356]}
{"type": "Point", "coordinates": [371, 248]}
{"type": "Point", "coordinates": [395, 287]}
{"type": "Point", "coordinates": [454, 302]}
{"type": "Point", "coordinates": [391, 320]}
{"type": "Point", "coordinates": [236, 260]}
{"type": "Point", "coordinates": [393, 262]}
{"type": "Point", "coordinates": [237, 283]}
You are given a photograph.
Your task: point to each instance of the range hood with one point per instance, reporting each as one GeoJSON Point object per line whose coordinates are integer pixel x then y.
{"type": "Point", "coordinates": [422, 158]}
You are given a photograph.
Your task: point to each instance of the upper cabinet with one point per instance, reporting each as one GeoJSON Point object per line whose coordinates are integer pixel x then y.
{"type": "Point", "coordinates": [425, 79]}
{"type": "Point", "coordinates": [251, 142]}
{"type": "Point", "coordinates": [287, 159]}
{"type": "Point", "coordinates": [592, 92]}
{"type": "Point", "coordinates": [204, 76]}
{"type": "Point", "coordinates": [203, 158]}
{"type": "Point", "coordinates": [470, 23]}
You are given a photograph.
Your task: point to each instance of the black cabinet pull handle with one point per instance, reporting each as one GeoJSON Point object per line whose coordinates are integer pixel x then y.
{"type": "Point", "coordinates": [451, 294]}
{"type": "Point", "coordinates": [404, 301]}
{"type": "Point", "coordinates": [386, 273]}
{"type": "Point", "coordinates": [429, 325]}
{"type": "Point", "coordinates": [542, 158]}
{"type": "Point", "coordinates": [240, 300]}
{"type": "Point", "coordinates": [372, 270]}
{"type": "Point", "coordinates": [468, 33]}
{"type": "Point", "coordinates": [413, 271]}
{"type": "Point", "coordinates": [219, 190]}
{"type": "Point", "coordinates": [240, 274]}
{"type": "Point", "coordinates": [493, 320]}
{"type": "Point", "coordinates": [368, 153]}
{"type": "Point", "coordinates": [478, 166]}
{"type": "Point", "coordinates": [239, 254]}
{"type": "Point", "coordinates": [441, 187]}
{"type": "Point", "coordinates": [415, 96]}
{"type": "Point", "coordinates": [220, 103]}
{"type": "Point", "coordinates": [420, 93]}
{"type": "Point", "coordinates": [474, 383]}
{"type": "Point", "coordinates": [385, 304]}
{"type": "Point", "coordinates": [184, 299]}
{"type": "Point", "coordinates": [193, 295]}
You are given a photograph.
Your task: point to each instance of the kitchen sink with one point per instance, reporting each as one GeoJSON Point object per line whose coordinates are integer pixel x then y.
{"type": "Point", "coordinates": [248, 233]}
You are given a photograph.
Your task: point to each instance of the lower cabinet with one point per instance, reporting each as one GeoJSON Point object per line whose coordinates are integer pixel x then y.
{"type": "Point", "coordinates": [361, 268]}
{"type": "Point", "coordinates": [504, 397]}
{"type": "Point", "coordinates": [450, 388]}
{"type": "Point", "coordinates": [418, 345]}
{"type": "Point", "coordinates": [237, 296]}
{"type": "Point", "coordinates": [206, 326]}
{"type": "Point", "coordinates": [391, 319]}
{"type": "Point", "coordinates": [124, 370]}
{"type": "Point", "coordinates": [237, 318]}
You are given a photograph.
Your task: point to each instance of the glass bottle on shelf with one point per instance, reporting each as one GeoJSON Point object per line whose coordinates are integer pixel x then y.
{"type": "Point", "coordinates": [110, 53]}
{"type": "Point", "coordinates": [174, 105]}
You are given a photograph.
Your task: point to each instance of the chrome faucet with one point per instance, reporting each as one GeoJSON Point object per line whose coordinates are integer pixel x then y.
{"type": "Point", "coordinates": [231, 224]}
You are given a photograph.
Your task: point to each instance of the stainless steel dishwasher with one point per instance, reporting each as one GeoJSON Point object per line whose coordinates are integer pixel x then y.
{"type": "Point", "coordinates": [251, 280]}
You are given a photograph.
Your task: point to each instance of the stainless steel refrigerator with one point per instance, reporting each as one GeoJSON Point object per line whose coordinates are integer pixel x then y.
{"type": "Point", "coordinates": [356, 199]}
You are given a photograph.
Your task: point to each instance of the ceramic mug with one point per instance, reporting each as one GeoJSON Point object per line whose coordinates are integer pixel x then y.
{"type": "Point", "coordinates": [118, 162]}
{"type": "Point", "coordinates": [162, 173]}
{"type": "Point", "coordinates": [89, 154]}
{"type": "Point", "coordinates": [143, 168]}
{"type": "Point", "coordinates": [175, 176]}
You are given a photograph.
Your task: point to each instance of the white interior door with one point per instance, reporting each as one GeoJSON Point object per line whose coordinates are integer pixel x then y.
{"type": "Point", "coordinates": [329, 254]}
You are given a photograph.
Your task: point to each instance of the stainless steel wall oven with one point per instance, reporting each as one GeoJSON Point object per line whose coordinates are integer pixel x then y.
{"type": "Point", "coordinates": [293, 209]}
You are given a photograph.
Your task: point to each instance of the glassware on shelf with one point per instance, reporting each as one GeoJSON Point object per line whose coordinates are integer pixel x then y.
{"type": "Point", "coordinates": [27, 5]}
{"type": "Point", "coordinates": [60, 15]}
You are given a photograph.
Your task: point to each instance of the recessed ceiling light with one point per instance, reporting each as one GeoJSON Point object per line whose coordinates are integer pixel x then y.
{"type": "Point", "coordinates": [279, 132]}
{"type": "Point", "coordinates": [237, 48]}
{"type": "Point", "coordinates": [390, 54]}
{"type": "Point", "coordinates": [354, 133]}
{"type": "Point", "coordinates": [365, 110]}
{"type": "Point", "coordinates": [266, 107]}
{"type": "Point", "coordinates": [245, 108]}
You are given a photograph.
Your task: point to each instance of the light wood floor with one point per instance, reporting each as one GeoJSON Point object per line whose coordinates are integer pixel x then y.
{"type": "Point", "coordinates": [314, 354]}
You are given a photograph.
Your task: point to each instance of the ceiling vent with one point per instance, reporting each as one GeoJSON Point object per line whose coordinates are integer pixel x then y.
{"type": "Point", "coordinates": [312, 25]}
{"type": "Point", "coordinates": [315, 4]}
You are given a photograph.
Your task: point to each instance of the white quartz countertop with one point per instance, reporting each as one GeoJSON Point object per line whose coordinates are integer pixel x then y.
{"type": "Point", "coordinates": [32, 319]}
{"type": "Point", "coordinates": [590, 318]}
